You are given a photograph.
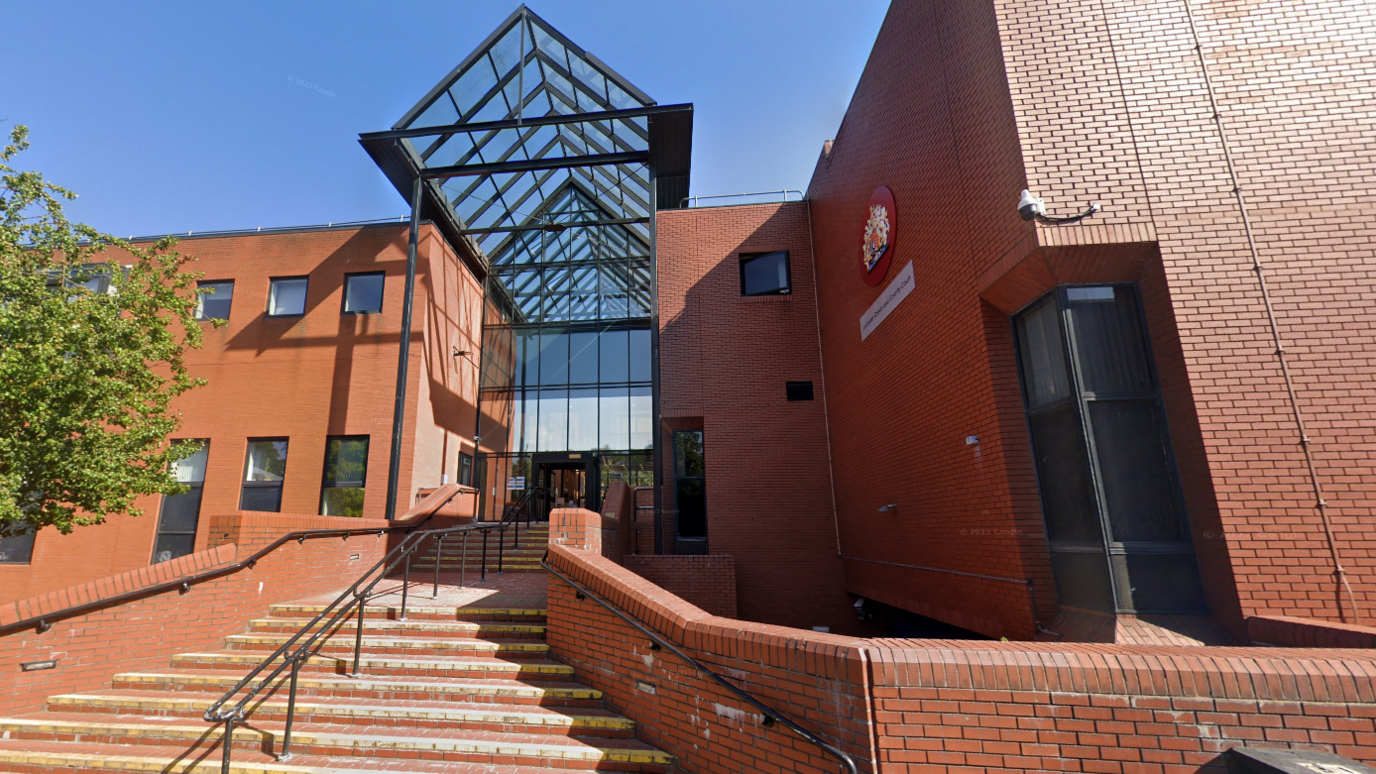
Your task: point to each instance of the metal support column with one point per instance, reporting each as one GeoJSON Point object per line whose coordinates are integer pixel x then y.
{"type": "Point", "coordinates": [404, 354]}
{"type": "Point", "coordinates": [658, 456]}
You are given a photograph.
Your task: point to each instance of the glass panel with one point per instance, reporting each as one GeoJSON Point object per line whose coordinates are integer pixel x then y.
{"type": "Point", "coordinates": [346, 461]}
{"type": "Point", "coordinates": [614, 356]}
{"type": "Point", "coordinates": [171, 547]}
{"type": "Point", "coordinates": [17, 549]}
{"type": "Point", "coordinates": [642, 429]}
{"type": "Point", "coordinates": [1043, 355]}
{"type": "Point", "coordinates": [554, 358]}
{"type": "Point", "coordinates": [345, 501]}
{"type": "Point", "coordinates": [1082, 580]}
{"type": "Point", "coordinates": [363, 293]}
{"type": "Point", "coordinates": [614, 419]}
{"type": "Point", "coordinates": [267, 461]}
{"type": "Point", "coordinates": [688, 460]}
{"type": "Point", "coordinates": [1136, 470]}
{"type": "Point", "coordinates": [440, 113]}
{"type": "Point", "coordinates": [764, 274]}
{"type": "Point", "coordinates": [180, 513]}
{"type": "Point", "coordinates": [583, 358]}
{"type": "Point", "coordinates": [1108, 339]}
{"type": "Point", "coordinates": [554, 420]}
{"type": "Point", "coordinates": [465, 469]}
{"type": "Point", "coordinates": [691, 500]}
{"type": "Point", "coordinates": [1158, 583]}
{"type": "Point", "coordinates": [528, 419]}
{"type": "Point", "coordinates": [261, 498]}
{"type": "Point", "coordinates": [1063, 472]}
{"type": "Point", "coordinates": [582, 420]}
{"type": "Point", "coordinates": [640, 356]}
{"type": "Point", "coordinates": [215, 304]}
{"type": "Point", "coordinates": [191, 470]}
{"type": "Point", "coordinates": [287, 297]}
{"type": "Point", "coordinates": [530, 358]}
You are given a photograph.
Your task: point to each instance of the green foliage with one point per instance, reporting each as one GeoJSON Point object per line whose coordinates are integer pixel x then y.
{"type": "Point", "coordinates": [93, 331]}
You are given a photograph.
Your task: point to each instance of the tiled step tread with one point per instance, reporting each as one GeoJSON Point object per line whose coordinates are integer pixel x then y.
{"type": "Point", "coordinates": [375, 683]}
{"type": "Point", "coordinates": [66, 756]}
{"type": "Point", "coordinates": [344, 736]}
{"type": "Point", "coordinates": [489, 629]}
{"type": "Point", "coordinates": [273, 641]}
{"type": "Point", "coordinates": [380, 710]}
{"type": "Point", "coordinates": [384, 661]}
{"type": "Point", "coordinates": [296, 610]}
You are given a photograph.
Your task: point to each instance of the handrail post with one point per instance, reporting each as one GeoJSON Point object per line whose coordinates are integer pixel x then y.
{"type": "Point", "coordinates": [405, 584]}
{"type": "Point", "coordinates": [291, 710]}
{"type": "Point", "coordinates": [501, 547]}
{"type": "Point", "coordinates": [225, 743]}
{"type": "Point", "coordinates": [439, 555]}
{"type": "Point", "coordinates": [358, 634]}
{"type": "Point", "coordinates": [484, 571]}
{"type": "Point", "coordinates": [463, 562]}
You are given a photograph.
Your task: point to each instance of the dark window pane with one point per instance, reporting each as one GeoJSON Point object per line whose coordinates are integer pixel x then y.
{"type": "Point", "coordinates": [363, 293]}
{"type": "Point", "coordinates": [171, 547]}
{"type": "Point", "coordinates": [215, 304]}
{"type": "Point", "coordinates": [17, 549]}
{"type": "Point", "coordinates": [554, 358]}
{"type": "Point", "coordinates": [1082, 580]}
{"type": "Point", "coordinates": [528, 359]}
{"type": "Point", "coordinates": [1158, 583]}
{"type": "Point", "coordinates": [346, 461]}
{"type": "Point", "coordinates": [465, 469]}
{"type": "Point", "coordinates": [1063, 471]}
{"type": "Point", "coordinates": [640, 356]}
{"type": "Point", "coordinates": [261, 498]}
{"type": "Point", "coordinates": [1043, 355]}
{"type": "Point", "coordinates": [798, 390]}
{"type": "Point", "coordinates": [688, 458]}
{"type": "Point", "coordinates": [614, 356]}
{"type": "Point", "coordinates": [764, 274]}
{"type": "Point", "coordinates": [692, 507]}
{"type": "Point", "coordinates": [1136, 470]}
{"type": "Point", "coordinates": [346, 501]}
{"type": "Point", "coordinates": [287, 296]}
{"type": "Point", "coordinates": [583, 358]}
{"type": "Point", "coordinates": [1108, 338]}
{"type": "Point", "coordinates": [180, 512]}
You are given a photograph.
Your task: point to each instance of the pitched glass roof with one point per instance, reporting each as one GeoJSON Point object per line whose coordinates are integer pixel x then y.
{"type": "Point", "coordinates": [522, 119]}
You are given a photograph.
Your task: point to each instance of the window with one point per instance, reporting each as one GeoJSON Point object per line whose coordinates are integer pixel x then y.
{"type": "Point", "coordinates": [798, 390]}
{"type": "Point", "coordinates": [181, 513]}
{"type": "Point", "coordinates": [1115, 516]}
{"type": "Point", "coordinates": [287, 297]}
{"type": "Point", "coordinates": [363, 293]}
{"type": "Point", "coordinates": [214, 305]}
{"type": "Point", "coordinates": [16, 545]}
{"type": "Point", "coordinates": [690, 491]}
{"type": "Point", "coordinates": [465, 469]}
{"type": "Point", "coordinates": [264, 468]}
{"type": "Point", "coordinates": [346, 472]}
{"type": "Point", "coordinates": [765, 275]}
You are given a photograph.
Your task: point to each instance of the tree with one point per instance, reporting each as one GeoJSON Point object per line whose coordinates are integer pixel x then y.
{"type": "Point", "coordinates": [93, 331]}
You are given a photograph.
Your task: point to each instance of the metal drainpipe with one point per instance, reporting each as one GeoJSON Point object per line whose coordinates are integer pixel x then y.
{"type": "Point", "coordinates": [1319, 503]}
{"type": "Point", "coordinates": [821, 365]}
{"type": "Point", "coordinates": [404, 354]}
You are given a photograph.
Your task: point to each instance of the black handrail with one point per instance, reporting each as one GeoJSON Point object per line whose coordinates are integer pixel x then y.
{"type": "Point", "coordinates": [770, 715]}
{"type": "Point", "coordinates": [403, 551]}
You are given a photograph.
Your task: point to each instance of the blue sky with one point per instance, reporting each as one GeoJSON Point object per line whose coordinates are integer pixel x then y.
{"type": "Point", "coordinates": [169, 117]}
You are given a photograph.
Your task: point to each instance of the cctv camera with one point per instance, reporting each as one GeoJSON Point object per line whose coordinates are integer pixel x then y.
{"type": "Point", "coordinates": [1030, 206]}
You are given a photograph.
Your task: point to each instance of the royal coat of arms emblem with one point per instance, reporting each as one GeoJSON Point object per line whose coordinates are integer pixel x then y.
{"type": "Point", "coordinates": [876, 248]}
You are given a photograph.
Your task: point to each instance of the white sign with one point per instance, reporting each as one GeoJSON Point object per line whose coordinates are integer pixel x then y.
{"type": "Point", "coordinates": [516, 483]}
{"type": "Point", "coordinates": [892, 296]}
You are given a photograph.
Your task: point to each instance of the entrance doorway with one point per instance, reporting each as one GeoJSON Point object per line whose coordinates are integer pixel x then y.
{"type": "Point", "coordinates": [566, 481]}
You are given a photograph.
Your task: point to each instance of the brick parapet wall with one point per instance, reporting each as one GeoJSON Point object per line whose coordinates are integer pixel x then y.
{"type": "Point", "coordinates": [252, 530]}
{"type": "Point", "coordinates": [1286, 631]}
{"type": "Point", "coordinates": [142, 634]}
{"type": "Point", "coordinates": [942, 705]}
{"type": "Point", "coordinates": [707, 580]}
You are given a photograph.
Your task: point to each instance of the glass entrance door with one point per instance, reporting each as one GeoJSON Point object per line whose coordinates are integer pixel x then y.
{"type": "Point", "coordinates": [565, 486]}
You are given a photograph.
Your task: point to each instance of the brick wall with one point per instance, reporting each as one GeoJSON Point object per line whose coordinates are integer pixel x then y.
{"type": "Point", "coordinates": [949, 706]}
{"type": "Point", "coordinates": [724, 359]}
{"type": "Point", "coordinates": [706, 581]}
{"type": "Point", "coordinates": [90, 649]}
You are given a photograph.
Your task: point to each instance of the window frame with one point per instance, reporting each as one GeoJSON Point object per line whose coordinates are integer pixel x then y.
{"type": "Point", "coordinates": [197, 487]}
{"type": "Point", "coordinates": [245, 484]}
{"type": "Point", "coordinates": [465, 471]}
{"type": "Point", "coordinates": [684, 477]}
{"type": "Point", "coordinates": [200, 300]}
{"type": "Point", "coordinates": [381, 302]}
{"type": "Point", "coordinates": [786, 290]}
{"type": "Point", "coordinates": [326, 485]}
{"type": "Point", "coordinates": [304, 297]}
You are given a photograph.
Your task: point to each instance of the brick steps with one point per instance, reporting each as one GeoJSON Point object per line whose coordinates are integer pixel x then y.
{"type": "Point", "coordinates": [421, 612]}
{"type": "Point", "coordinates": [455, 667]}
{"type": "Point", "coordinates": [474, 716]}
{"type": "Point", "coordinates": [457, 629]}
{"type": "Point", "coordinates": [439, 646]}
{"type": "Point", "coordinates": [368, 686]}
{"type": "Point", "coordinates": [337, 740]}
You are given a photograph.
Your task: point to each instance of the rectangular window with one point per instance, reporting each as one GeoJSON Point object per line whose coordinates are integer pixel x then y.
{"type": "Point", "coordinates": [765, 275]}
{"type": "Point", "coordinates": [264, 468]}
{"type": "Point", "coordinates": [16, 545]}
{"type": "Point", "coordinates": [690, 490]}
{"type": "Point", "coordinates": [214, 304]}
{"type": "Point", "coordinates": [465, 469]}
{"type": "Point", "coordinates": [346, 474]}
{"type": "Point", "coordinates": [181, 513]}
{"type": "Point", "coordinates": [798, 390]}
{"type": "Point", "coordinates": [363, 293]}
{"type": "Point", "coordinates": [287, 297]}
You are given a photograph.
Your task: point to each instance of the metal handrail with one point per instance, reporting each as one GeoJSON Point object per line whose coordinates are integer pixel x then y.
{"type": "Point", "coordinates": [216, 713]}
{"type": "Point", "coordinates": [770, 715]}
{"type": "Point", "coordinates": [785, 192]}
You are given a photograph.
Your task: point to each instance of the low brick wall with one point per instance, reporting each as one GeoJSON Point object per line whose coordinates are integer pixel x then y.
{"type": "Point", "coordinates": [707, 581]}
{"type": "Point", "coordinates": [1291, 632]}
{"type": "Point", "coordinates": [946, 705]}
{"type": "Point", "coordinates": [90, 649]}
